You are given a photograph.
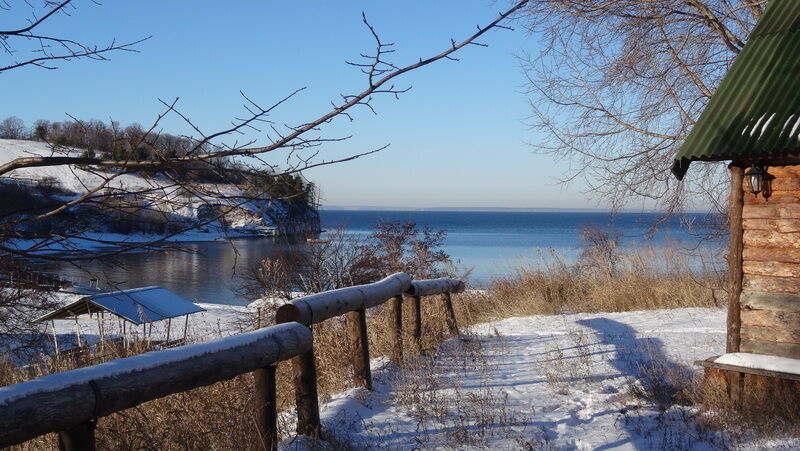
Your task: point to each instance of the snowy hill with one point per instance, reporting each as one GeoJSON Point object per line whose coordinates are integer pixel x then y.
{"type": "Point", "coordinates": [153, 197]}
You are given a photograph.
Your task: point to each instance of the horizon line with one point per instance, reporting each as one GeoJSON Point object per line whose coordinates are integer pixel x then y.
{"type": "Point", "coordinates": [494, 209]}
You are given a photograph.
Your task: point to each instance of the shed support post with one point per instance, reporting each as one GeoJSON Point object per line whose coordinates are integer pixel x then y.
{"type": "Point", "coordinates": [416, 326]}
{"type": "Point", "coordinates": [452, 325]}
{"type": "Point", "coordinates": [100, 325]}
{"type": "Point", "coordinates": [736, 204]}
{"type": "Point", "coordinates": [169, 326]}
{"type": "Point", "coordinates": [185, 328]}
{"type": "Point", "coordinates": [77, 332]}
{"type": "Point", "coordinates": [396, 321]}
{"type": "Point", "coordinates": [359, 347]}
{"type": "Point", "coordinates": [55, 337]}
{"type": "Point", "coordinates": [266, 410]}
{"type": "Point", "coordinates": [79, 438]}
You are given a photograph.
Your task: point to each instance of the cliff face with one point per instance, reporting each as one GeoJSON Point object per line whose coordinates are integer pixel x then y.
{"type": "Point", "coordinates": [296, 220]}
{"type": "Point", "coordinates": [262, 217]}
{"type": "Point", "coordinates": [146, 203]}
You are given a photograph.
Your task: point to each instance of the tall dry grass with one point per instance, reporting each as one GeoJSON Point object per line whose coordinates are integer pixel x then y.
{"type": "Point", "coordinates": [642, 278]}
{"type": "Point", "coordinates": [221, 416]}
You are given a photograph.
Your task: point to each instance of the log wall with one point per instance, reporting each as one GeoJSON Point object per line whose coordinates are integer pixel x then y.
{"type": "Point", "coordinates": [770, 300]}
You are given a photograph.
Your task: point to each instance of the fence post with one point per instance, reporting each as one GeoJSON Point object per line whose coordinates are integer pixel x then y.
{"type": "Point", "coordinates": [396, 321]}
{"type": "Point", "coordinates": [359, 346]}
{"type": "Point", "coordinates": [266, 410]}
{"type": "Point", "coordinates": [416, 327]}
{"type": "Point", "coordinates": [79, 438]}
{"type": "Point", "coordinates": [305, 383]}
{"type": "Point", "coordinates": [306, 398]}
{"type": "Point", "coordinates": [452, 325]}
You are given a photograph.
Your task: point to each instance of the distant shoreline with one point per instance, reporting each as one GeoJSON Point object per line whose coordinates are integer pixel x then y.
{"type": "Point", "coordinates": [497, 210]}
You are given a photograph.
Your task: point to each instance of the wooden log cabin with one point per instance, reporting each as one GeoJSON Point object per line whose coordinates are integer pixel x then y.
{"type": "Point", "coordinates": [753, 121]}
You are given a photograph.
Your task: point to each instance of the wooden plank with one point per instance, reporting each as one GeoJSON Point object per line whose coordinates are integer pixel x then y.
{"type": "Point", "coordinates": [790, 172]}
{"type": "Point", "coordinates": [318, 307]}
{"type": "Point", "coordinates": [784, 302]}
{"type": "Point", "coordinates": [709, 363]}
{"type": "Point", "coordinates": [777, 269]}
{"type": "Point", "coordinates": [770, 211]}
{"type": "Point", "coordinates": [770, 333]}
{"type": "Point", "coordinates": [396, 324]}
{"type": "Point", "coordinates": [771, 254]}
{"type": "Point", "coordinates": [786, 184]}
{"type": "Point", "coordinates": [266, 408]}
{"type": "Point", "coordinates": [735, 245]}
{"type": "Point", "coordinates": [777, 197]}
{"type": "Point", "coordinates": [771, 318]}
{"type": "Point", "coordinates": [768, 239]}
{"type": "Point", "coordinates": [772, 225]}
{"type": "Point", "coordinates": [791, 350]}
{"type": "Point", "coordinates": [771, 284]}
{"type": "Point", "coordinates": [359, 347]}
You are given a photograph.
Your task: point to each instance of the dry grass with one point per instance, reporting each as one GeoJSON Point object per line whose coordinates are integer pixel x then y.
{"type": "Point", "coordinates": [220, 416]}
{"type": "Point", "coordinates": [761, 411]}
{"type": "Point", "coordinates": [447, 414]}
{"type": "Point", "coordinates": [640, 279]}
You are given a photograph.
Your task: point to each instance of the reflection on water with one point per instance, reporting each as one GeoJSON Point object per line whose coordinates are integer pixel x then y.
{"type": "Point", "coordinates": [491, 243]}
{"type": "Point", "coordinates": [201, 272]}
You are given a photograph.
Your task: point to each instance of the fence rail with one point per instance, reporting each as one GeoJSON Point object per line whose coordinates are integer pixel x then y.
{"type": "Point", "coordinates": [70, 402]}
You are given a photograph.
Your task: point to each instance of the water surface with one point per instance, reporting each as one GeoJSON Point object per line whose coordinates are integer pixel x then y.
{"type": "Point", "coordinates": [491, 243]}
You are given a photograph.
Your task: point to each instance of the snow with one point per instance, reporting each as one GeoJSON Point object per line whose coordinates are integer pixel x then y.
{"type": "Point", "coordinates": [318, 307]}
{"type": "Point", "coordinates": [555, 382]}
{"type": "Point", "coordinates": [761, 362]}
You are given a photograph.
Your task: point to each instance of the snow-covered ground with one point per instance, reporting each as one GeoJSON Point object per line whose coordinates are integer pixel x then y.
{"type": "Point", "coordinates": [549, 382]}
{"type": "Point", "coordinates": [539, 382]}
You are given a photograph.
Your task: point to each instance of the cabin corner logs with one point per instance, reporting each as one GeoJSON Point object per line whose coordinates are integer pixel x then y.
{"type": "Point", "coordinates": [764, 262]}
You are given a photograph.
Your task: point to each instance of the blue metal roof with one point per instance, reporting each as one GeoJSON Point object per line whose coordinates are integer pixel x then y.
{"type": "Point", "coordinates": [138, 305]}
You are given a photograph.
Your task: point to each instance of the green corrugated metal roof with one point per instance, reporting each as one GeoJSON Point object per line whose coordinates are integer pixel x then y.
{"type": "Point", "coordinates": [755, 113]}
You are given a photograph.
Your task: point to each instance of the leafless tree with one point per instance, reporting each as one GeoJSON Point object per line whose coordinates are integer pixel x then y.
{"type": "Point", "coordinates": [12, 128]}
{"type": "Point", "coordinates": [214, 152]}
{"type": "Point", "coordinates": [52, 216]}
{"type": "Point", "coordinates": [617, 85]}
{"type": "Point", "coordinates": [30, 43]}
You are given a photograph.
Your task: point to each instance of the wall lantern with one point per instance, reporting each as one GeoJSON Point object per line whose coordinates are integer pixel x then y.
{"type": "Point", "coordinates": [759, 180]}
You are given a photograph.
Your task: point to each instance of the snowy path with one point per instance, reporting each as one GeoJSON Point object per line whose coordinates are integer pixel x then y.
{"type": "Point", "coordinates": [550, 382]}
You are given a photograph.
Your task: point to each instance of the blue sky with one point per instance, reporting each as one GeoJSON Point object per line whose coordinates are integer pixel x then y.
{"type": "Point", "coordinates": [457, 139]}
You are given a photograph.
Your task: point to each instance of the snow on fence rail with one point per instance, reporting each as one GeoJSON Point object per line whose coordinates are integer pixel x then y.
{"type": "Point", "coordinates": [318, 307]}
{"type": "Point", "coordinates": [353, 302]}
{"type": "Point", "coordinates": [69, 403]}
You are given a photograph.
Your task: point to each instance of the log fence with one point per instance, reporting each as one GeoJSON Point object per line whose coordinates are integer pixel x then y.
{"type": "Point", "coordinates": [70, 403]}
{"type": "Point", "coordinates": [353, 302]}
